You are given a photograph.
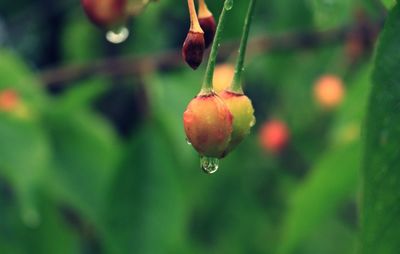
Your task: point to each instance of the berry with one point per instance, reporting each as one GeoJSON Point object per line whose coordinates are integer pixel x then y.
{"type": "Point", "coordinates": [193, 49]}
{"type": "Point", "coordinates": [329, 91]}
{"type": "Point", "coordinates": [208, 125]}
{"type": "Point", "coordinates": [105, 13]}
{"type": "Point", "coordinates": [274, 136]}
{"type": "Point", "coordinates": [243, 116]}
{"type": "Point", "coordinates": [9, 100]}
{"type": "Point", "coordinates": [223, 76]}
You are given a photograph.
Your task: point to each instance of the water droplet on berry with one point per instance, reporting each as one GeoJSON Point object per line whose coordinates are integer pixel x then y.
{"type": "Point", "coordinates": [188, 142]}
{"type": "Point", "coordinates": [118, 35]}
{"type": "Point", "coordinates": [209, 165]}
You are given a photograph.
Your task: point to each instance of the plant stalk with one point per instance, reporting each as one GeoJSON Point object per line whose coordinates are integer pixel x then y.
{"type": "Point", "coordinates": [236, 85]}
{"type": "Point", "coordinates": [207, 86]}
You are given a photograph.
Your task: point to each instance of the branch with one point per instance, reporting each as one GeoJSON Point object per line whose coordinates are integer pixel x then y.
{"type": "Point", "coordinates": [137, 65]}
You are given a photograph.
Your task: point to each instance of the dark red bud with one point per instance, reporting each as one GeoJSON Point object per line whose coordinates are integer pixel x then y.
{"type": "Point", "coordinates": [105, 13]}
{"type": "Point", "coordinates": [193, 49]}
{"type": "Point", "coordinates": [209, 26]}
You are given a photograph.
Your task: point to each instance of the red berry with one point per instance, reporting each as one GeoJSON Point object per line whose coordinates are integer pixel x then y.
{"type": "Point", "coordinates": [193, 49]}
{"type": "Point", "coordinates": [208, 125]}
{"type": "Point", "coordinates": [105, 13]}
{"type": "Point", "coordinates": [9, 100]}
{"type": "Point", "coordinates": [274, 136]}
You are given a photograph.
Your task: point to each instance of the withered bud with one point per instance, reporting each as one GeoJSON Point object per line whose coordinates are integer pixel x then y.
{"type": "Point", "coordinates": [209, 27]}
{"type": "Point", "coordinates": [193, 49]}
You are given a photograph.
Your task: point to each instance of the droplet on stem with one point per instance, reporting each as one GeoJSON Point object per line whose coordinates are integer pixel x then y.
{"type": "Point", "coordinates": [209, 165]}
{"type": "Point", "coordinates": [118, 35]}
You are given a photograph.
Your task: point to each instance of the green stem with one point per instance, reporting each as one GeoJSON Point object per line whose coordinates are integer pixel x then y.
{"type": "Point", "coordinates": [236, 85]}
{"type": "Point", "coordinates": [207, 86]}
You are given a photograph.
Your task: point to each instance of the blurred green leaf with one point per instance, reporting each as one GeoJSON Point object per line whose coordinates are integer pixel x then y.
{"type": "Point", "coordinates": [24, 149]}
{"type": "Point", "coordinates": [332, 13]}
{"type": "Point", "coordinates": [24, 158]}
{"type": "Point", "coordinates": [86, 154]}
{"type": "Point", "coordinates": [333, 178]}
{"type": "Point", "coordinates": [145, 212]}
{"type": "Point", "coordinates": [381, 176]}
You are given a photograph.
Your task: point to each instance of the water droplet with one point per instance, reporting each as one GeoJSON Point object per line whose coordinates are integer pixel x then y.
{"type": "Point", "coordinates": [228, 5]}
{"type": "Point", "coordinates": [188, 142]}
{"type": "Point", "coordinates": [209, 165]}
{"type": "Point", "coordinates": [118, 35]}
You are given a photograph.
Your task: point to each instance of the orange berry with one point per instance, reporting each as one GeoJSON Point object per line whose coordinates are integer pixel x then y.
{"type": "Point", "coordinates": [329, 91]}
{"type": "Point", "coordinates": [223, 76]}
{"type": "Point", "coordinates": [9, 100]}
{"type": "Point", "coordinates": [274, 136]}
{"type": "Point", "coordinates": [208, 125]}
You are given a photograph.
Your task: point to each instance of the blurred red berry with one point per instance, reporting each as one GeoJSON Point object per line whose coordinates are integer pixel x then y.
{"type": "Point", "coordinates": [105, 13]}
{"type": "Point", "coordinates": [274, 136]}
{"type": "Point", "coordinates": [208, 125]}
{"type": "Point", "coordinates": [9, 100]}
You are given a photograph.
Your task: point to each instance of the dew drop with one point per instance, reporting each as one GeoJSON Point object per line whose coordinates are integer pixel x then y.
{"type": "Point", "coordinates": [228, 5]}
{"type": "Point", "coordinates": [188, 142]}
{"type": "Point", "coordinates": [118, 35]}
{"type": "Point", "coordinates": [209, 165]}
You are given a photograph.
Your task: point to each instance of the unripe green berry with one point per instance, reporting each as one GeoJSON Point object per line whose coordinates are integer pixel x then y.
{"type": "Point", "coordinates": [243, 116]}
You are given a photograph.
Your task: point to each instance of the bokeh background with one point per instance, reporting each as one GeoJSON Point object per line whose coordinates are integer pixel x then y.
{"type": "Point", "coordinates": [93, 157]}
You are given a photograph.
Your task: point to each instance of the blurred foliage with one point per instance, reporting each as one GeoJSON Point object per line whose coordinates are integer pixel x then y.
{"type": "Point", "coordinates": [380, 171]}
{"type": "Point", "coordinates": [101, 165]}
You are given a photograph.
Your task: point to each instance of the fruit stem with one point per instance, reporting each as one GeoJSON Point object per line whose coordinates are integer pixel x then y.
{"type": "Point", "coordinates": [236, 85]}
{"type": "Point", "coordinates": [204, 12]}
{"type": "Point", "coordinates": [207, 86]}
{"type": "Point", "coordinates": [194, 21]}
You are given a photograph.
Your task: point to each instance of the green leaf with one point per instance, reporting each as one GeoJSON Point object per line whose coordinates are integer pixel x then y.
{"type": "Point", "coordinates": [145, 212]}
{"type": "Point", "coordinates": [381, 176]}
{"type": "Point", "coordinates": [332, 180]}
{"type": "Point", "coordinates": [24, 158]}
{"type": "Point", "coordinates": [86, 154]}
